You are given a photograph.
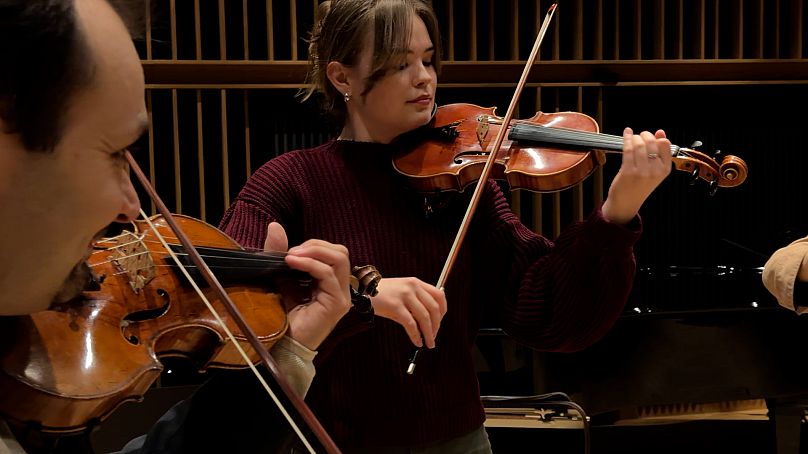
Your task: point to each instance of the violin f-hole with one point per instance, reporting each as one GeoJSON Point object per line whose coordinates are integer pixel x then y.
{"type": "Point", "coordinates": [147, 314]}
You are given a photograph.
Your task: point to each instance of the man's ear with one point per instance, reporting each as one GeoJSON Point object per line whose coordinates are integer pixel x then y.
{"type": "Point", "coordinates": [338, 75]}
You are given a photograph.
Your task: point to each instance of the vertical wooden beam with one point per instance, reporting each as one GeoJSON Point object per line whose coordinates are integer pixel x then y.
{"type": "Point", "coordinates": [270, 36]}
{"type": "Point", "coordinates": [451, 30]}
{"type": "Point", "coordinates": [598, 38]}
{"type": "Point", "coordinates": [173, 21]}
{"type": "Point", "coordinates": [247, 147]}
{"type": "Point", "coordinates": [225, 154]}
{"type": "Point", "coordinates": [473, 29]}
{"type": "Point", "coordinates": [147, 16]}
{"type": "Point", "coordinates": [491, 30]}
{"type": "Point", "coordinates": [637, 30]}
{"type": "Point", "coordinates": [516, 202]}
{"type": "Point", "coordinates": [293, 28]}
{"type": "Point", "coordinates": [222, 32]}
{"type": "Point", "coordinates": [617, 29]}
{"type": "Point", "coordinates": [244, 15]}
{"type": "Point", "coordinates": [761, 29]}
{"type": "Point", "coordinates": [716, 26]}
{"type": "Point", "coordinates": [177, 162]}
{"type": "Point", "coordinates": [777, 29]}
{"type": "Point", "coordinates": [514, 30]}
{"type": "Point", "coordinates": [796, 28]}
{"type": "Point", "coordinates": [556, 204]}
{"type": "Point", "coordinates": [200, 156]}
{"type": "Point", "coordinates": [700, 29]}
{"type": "Point", "coordinates": [152, 175]}
{"type": "Point", "coordinates": [738, 44]}
{"type": "Point", "coordinates": [578, 31]}
{"type": "Point", "coordinates": [659, 30]}
{"type": "Point", "coordinates": [198, 30]}
{"type": "Point", "coordinates": [679, 44]}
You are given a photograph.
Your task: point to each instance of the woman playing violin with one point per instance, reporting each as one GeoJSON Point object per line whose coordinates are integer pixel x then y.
{"type": "Point", "coordinates": [375, 65]}
{"type": "Point", "coordinates": [71, 99]}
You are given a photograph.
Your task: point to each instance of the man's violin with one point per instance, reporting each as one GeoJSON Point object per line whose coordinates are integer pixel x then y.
{"type": "Point", "coordinates": [70, 367]}
{"type": "Point", "coordinates": [67, 369]}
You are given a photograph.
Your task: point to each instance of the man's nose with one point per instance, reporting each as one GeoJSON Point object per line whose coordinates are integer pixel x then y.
{"type": "Point", "coordinates": [130, 206]}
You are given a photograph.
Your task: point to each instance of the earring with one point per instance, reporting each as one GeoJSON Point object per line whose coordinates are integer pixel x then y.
{"type": "Point", "coordinates": [347, 97]}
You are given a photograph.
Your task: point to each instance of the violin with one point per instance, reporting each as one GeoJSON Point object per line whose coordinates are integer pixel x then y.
{"type": "Point", "coordinates": [70, 367]}
{"type": "Point", "coordinates": [545, 153]}
{"type": "Point", "coordinates": [66, 369]}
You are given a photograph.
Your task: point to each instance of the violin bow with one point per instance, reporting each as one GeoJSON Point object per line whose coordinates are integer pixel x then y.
{"type": "Point", "coordinates": [266, 358]}
{"type": "Point", "coordinates": [475, 198]}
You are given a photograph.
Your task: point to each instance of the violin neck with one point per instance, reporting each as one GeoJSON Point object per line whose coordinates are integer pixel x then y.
{"type": "Point", "coordinates": [238, 267]}
{"type": "Point", "coordinates": [529, 132]}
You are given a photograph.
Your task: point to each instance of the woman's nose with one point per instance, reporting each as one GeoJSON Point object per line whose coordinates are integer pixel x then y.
{"type": "Point", "coordinates": [424, 76]}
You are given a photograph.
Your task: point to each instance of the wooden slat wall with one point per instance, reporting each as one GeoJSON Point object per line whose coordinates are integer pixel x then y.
{"type": "Point", "coordinates": [219, 130]}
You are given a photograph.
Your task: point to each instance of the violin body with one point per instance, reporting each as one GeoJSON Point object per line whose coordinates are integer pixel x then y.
{"type": "Point", "coordinates": [70, 367]}
{"type": "Point", "coordinates": [447, 165]}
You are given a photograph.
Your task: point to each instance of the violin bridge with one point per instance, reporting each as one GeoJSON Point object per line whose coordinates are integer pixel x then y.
{"type": "Point", "coordinates": [482, 129]}
{"type": "Point", "coordinates": [133, 259]}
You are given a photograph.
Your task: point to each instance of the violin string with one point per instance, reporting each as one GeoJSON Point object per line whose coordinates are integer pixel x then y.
{"type": "Point", "coordinates": [172, 266]}
{"type": "Point", "coordinates": [259, 259]}
{"type": "Point", "coordinates": [114, 238]}
{"type": "Point", "coordinates": [256, 250]}
{"type": "Point", "coordinates": [93, 265]}
{"type": "Point", "coordinates": [176, 240]}
{"type": "Point", "coordinates": [232, 337]}
{"type": "Point", "coordinates": [257, 262]}
{"type": "Point", "coordinates": [590, 139]}
{"type": "Point", "coordinates": [138, 241]}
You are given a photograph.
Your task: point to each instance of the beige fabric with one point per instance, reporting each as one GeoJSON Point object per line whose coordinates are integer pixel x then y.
{"type": "Point", "coordinates": [295, 363]}
{"type": "Point", "coordinates": [780, 273]}
{"type": "Point", "coordinates": [8, 444]}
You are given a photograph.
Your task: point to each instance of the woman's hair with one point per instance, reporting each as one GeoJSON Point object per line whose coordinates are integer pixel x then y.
{"type": "Point", "coordinates": [340, 35]}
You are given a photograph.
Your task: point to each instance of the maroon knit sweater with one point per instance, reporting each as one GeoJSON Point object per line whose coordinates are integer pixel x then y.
{"type": "Point", "coordinates": [560, 296]}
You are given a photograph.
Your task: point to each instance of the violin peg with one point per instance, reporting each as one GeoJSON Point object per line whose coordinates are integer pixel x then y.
{"type": "Point", "coordinates": [694, 176]}
{"type": "Point", "coordinates": [713, 187]}
{"type": "Point", "coordinates": [717, 155]}
{"type": "Point", "coordinates": [696, 144]}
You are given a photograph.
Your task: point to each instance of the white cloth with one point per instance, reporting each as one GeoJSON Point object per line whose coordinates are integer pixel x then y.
{"type": "Point", "coordinates": [295, 363]}
{"type": "Point", "coordinates": [780, 273]}
{"type": "Point", "coordinates": [8, 444]}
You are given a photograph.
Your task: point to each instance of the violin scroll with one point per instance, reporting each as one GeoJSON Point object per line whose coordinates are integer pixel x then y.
{"type": "Point", "coordinates": [731, 172]}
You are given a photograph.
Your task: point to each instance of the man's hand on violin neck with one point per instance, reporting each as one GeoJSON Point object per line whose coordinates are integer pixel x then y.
{"type": "Point", "coordinates": [646, 162]}
{"type": "Point", "coordinates": [329, 265]}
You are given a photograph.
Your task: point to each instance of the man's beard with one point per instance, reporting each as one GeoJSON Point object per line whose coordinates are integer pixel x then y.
{"type": "Point", "coordinates": [81, 276]}
{"type": "Point", "coordinates": [76, 282]}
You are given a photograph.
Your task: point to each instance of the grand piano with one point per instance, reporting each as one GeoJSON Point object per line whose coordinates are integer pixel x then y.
{"type": "Point", "coordinates": [694, 342]}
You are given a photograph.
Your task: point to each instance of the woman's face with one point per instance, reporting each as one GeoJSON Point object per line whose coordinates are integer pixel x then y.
{"type": "Point", "coordinates": [399, 102]}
